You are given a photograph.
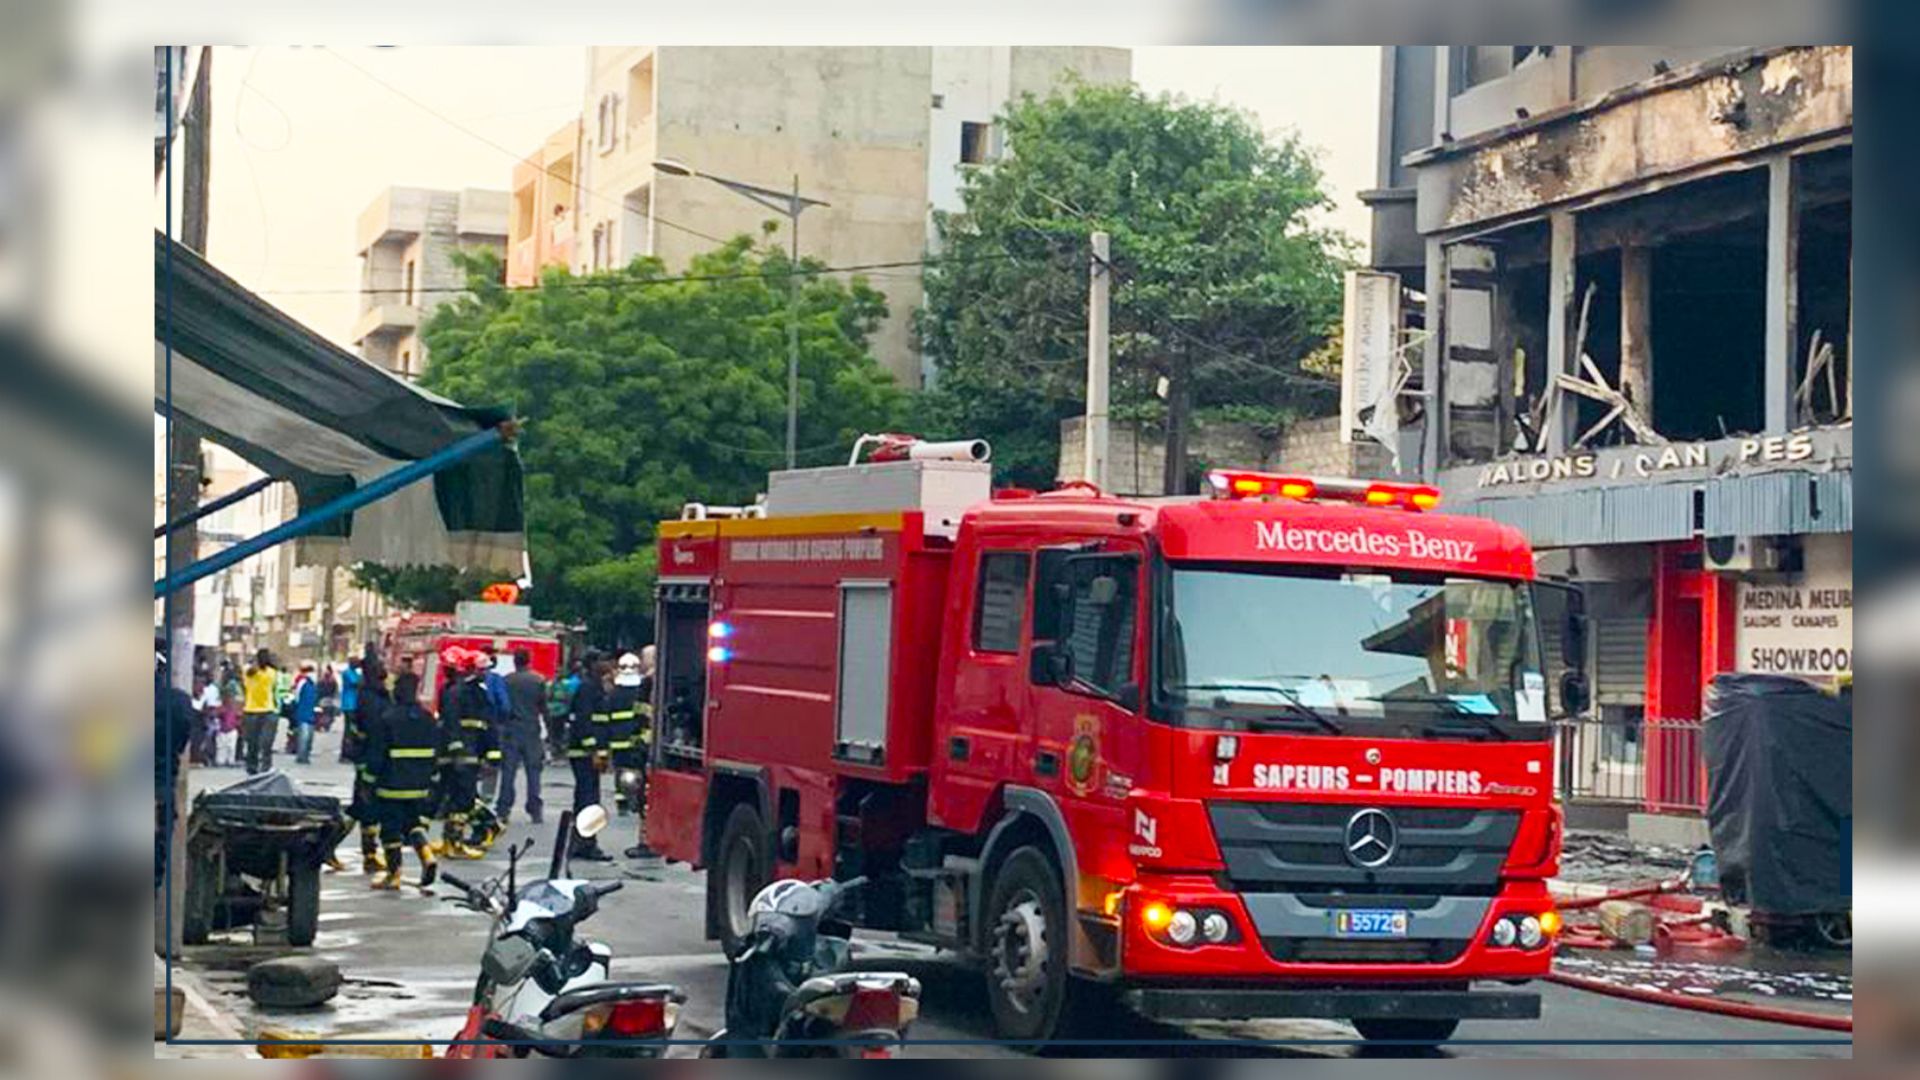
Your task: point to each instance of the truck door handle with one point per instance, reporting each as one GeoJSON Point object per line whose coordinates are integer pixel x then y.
{"type": "Point", "coordinates": [1046, 763]}
{"type": "Point", "coordinates": [958, 748]}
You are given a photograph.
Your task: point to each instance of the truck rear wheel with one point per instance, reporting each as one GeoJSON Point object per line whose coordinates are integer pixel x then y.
{"type": "Point", "coordinates": [1390, 1029]}
{"type": "Point", "coordinates": [739, 871]}
{"type": "Point", "coordinates": [1026, 947]}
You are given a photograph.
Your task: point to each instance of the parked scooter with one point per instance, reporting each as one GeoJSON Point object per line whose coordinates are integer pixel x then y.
{"type": "Point", "coordinates": [543, 990]}
{"type": "Point", "coordinates": [788, 993]}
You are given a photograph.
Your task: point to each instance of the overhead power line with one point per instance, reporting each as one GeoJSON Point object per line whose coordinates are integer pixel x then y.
{"type": "Point", "coordinates": [641, 283]}
{"type": "Point", "coordinates": [615, 203]}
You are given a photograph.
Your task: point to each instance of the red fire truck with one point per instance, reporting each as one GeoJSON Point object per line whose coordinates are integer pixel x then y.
{"type": "Point", "coordinates": [1282, 751]}
{"type": "Point", "coordinates": [417, 639]}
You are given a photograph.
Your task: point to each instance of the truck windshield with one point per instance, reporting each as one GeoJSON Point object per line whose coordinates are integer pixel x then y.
{"type": "Point", "coordinates": [1382, 654]}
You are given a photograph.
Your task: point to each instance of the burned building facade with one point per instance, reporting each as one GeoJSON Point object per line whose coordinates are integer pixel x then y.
{"type": "Point", "coordinates": [1628, 279]}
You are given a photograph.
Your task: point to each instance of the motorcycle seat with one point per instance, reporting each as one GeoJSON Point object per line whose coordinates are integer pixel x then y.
{"type": "Point", "coordinates": [601, 993]}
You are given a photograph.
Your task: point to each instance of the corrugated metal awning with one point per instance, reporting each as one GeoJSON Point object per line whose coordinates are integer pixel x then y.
{"type": "Point", "coordinates": [1768, 504]}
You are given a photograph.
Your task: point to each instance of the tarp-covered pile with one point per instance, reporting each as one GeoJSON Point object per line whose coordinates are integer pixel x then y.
{"type": "Point", "coordinates": [1780, 793]}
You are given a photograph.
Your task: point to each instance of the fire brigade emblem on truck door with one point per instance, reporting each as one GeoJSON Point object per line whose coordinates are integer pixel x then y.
{"type": "Point", "coordinates": [1083, 755]}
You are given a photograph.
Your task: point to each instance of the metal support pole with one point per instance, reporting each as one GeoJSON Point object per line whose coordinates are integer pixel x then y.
{"type": "Point", "coordinates": [1099, 291]}
{"type": "Point", "coordinates": [351, 501]}
{"type": "Point", "coordinates": [214, 507]}
{"type": "Point", "coordinates": [793, 328]}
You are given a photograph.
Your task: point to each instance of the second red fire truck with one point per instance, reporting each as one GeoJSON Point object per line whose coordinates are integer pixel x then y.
{"type": "Point", "coordinates": [1281, 751]}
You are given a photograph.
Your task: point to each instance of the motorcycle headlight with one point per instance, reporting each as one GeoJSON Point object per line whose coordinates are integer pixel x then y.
{"type": "Point", "coordinates": [629, 778]}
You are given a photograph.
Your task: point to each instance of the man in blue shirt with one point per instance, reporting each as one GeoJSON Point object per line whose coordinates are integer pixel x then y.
{"type": "Point", "coordinates": [306, 699]}
{"type": "Point", "coordinates": [350, 680]}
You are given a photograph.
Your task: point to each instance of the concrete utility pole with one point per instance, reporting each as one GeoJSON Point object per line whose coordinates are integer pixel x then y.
{"type": "Point", "coordinates": [183, 477]}
{"type": "Point", "coordinates": [793, 330]}
{"type": "Point", "coordinates": [1099, 293]}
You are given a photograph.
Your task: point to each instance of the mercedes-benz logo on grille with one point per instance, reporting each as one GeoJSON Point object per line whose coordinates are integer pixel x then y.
{"type": "Point", "coordinates": [1371, 838]}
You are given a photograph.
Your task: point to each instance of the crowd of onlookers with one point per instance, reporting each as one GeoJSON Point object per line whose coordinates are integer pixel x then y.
{"type": "Point", "coordinates": [237, 710]}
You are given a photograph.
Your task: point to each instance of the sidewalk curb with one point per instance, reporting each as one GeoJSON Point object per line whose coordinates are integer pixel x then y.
{"type": "Point", "coordinates": [202, 1020]}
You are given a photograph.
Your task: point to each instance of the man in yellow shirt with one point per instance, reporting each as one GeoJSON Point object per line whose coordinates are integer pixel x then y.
{"type": "Point", "coordinates": [261, 713]}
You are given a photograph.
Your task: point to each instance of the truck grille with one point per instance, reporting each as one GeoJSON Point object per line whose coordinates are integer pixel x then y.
{"type": "Point", "coordinates": [1336, 951]}
{"type": "Point", "coordinates": [1302, 846]}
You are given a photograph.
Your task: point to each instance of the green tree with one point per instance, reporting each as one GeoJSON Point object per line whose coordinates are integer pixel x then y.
{"type": "Point", "coordinates": [1223, 283]}
{"type": "Point", "coordinates": [642, 391]}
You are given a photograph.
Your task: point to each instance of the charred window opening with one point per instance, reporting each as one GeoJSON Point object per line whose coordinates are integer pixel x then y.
{"type": "Point", "coordinates": [1709, 332]}
{"type": "Point", "coordinates": [1824, 294]}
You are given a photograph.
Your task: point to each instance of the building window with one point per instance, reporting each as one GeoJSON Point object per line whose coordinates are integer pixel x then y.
{"type": "Point", "coordinates": [606, 122]}
{"type": "Point", "coordinates": [1002, 601]}
{"type": "Point", "coordinates": [640, 93]}
{"type": "Point", "coordinates": [974, 140]}
{"type": "Point", "coordinates": [601, 238]}
{"type": "Point", "coordinates": [406, 362]}
{"type": "Point", "coordinates": [407, 285]}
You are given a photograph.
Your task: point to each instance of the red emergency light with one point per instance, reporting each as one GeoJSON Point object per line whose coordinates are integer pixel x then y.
{"type": "Point", "coordinates": [1246, 484]}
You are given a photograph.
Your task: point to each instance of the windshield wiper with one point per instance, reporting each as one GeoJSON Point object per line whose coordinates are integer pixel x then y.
{"type": "Point", "coordinates": [1487, 724]}
{"type": "Point", "coordinates": [1298, 713]}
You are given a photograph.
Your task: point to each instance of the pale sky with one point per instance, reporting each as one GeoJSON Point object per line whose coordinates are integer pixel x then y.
{"type": "Point", "coordinates": [303, 141]}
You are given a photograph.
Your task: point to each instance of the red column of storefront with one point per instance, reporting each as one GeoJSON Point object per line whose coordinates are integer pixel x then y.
{"type": "Point", "coordinates": [1689, 641]}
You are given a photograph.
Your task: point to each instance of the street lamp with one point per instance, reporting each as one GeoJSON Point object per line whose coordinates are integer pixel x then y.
{"type": "Point", "coordinates": [792, 204]}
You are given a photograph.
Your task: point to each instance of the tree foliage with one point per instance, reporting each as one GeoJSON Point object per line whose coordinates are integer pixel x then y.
{"type": "Point", "coordinates": [1222, 283]}
{"type": "Point", "coordinates": [642, 391]}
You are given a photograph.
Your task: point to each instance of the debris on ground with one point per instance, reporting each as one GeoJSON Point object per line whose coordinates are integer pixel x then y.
{"type": "Point", "coordinates": [1604, 857]}
{"type": "Point", "coordinates": [1824, 985]}
{"type": "Point", "coordinates": [293, 982]}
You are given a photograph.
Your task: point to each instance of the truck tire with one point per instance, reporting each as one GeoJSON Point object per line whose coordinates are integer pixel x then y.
{"type": "Point", "coordinates": [1392, 1029]}
{"type": "Point", "coordinates": [303, 904]}
{"type": "Point", "coordinates": [1026, 947]}
{"type": "Point", "coordinates": [203, 897]}
{"type": "Point", "coordinates": [739, 871]}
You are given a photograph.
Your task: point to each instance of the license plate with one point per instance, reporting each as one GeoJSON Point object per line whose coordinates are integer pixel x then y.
{"type": "Point", "coordinates": [1370, 923]}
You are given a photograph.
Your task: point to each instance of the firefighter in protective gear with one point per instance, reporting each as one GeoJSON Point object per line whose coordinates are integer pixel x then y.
{"type": "Point", "coordinates": [403, 751]}
{"type": "Point", "coordinates": [586, 742]}
{"type": "Point", "coordinates": [625, 751]}
{"type": "Point", "coordinates": [463, 727]}
{"type": "Point", "coordinates": [363, 723]}
{"type": "Point", "coordinates": [643, 746]}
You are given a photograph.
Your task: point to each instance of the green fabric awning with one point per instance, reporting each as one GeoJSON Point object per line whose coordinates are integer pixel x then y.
{"type": "Point", "coordinates": [301, 409]}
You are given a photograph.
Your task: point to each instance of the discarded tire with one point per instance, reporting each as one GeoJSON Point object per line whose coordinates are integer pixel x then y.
{"type": "Point", "coordinates": [293, 982]}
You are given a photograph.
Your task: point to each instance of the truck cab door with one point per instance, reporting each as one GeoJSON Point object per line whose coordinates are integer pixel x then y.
{"type": "Point", "coordinates": [986, 738]}
{"type": "Point", "coordinates": [1085, 668]}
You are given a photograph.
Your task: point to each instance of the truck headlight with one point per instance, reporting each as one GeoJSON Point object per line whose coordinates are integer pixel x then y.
{"type": "Point", "coordinates": [1181, 927]}
{"type": "Point", "coordinates": [1214, 926]}
{"type": "Point", "coordinates": [1530, 933]}
{"type": "Point", "coordinates": [1504, 933]}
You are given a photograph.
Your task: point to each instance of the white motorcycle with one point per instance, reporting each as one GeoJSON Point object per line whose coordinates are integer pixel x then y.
{"type": "Point", "coordinates": [541, 988]}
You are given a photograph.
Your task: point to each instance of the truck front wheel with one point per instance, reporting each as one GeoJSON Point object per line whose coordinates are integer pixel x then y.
{"type": "Point", "coordinates": [740, 870]}
{"type": "Point", "coordinates": [1387, 1029]}
{"type": "Point", "coordinates": [1026, 947]}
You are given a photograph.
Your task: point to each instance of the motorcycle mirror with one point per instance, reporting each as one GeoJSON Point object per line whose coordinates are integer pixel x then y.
{"type": "Point", "coordinates": [590, 821]}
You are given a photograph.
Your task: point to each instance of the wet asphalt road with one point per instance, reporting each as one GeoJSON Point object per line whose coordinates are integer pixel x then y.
{"type": "Point", "coordinates": [409, 961]}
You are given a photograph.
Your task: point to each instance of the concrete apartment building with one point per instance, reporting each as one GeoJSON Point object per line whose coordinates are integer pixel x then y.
{"type": "Point", "coordinates": [1635, 264]}
{"type": "Point", "coordinates": [880, 133]}
{"type": "Point", "coordinates": [406, 239]}
{"type": "Point", "coordinates": [542, 221]}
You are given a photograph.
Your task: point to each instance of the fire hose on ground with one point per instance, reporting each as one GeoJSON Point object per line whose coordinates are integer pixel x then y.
{"type": "Point", "coordinates": [1690, 931]}
{"type": "Point", "coordinates": [1741, 1009]}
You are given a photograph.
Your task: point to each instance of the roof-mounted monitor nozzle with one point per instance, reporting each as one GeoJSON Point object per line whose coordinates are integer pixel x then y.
{"type": "Point", "coordinates": [894, 447]}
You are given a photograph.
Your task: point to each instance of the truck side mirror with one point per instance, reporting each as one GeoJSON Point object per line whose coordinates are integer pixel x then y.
{"type": "Point", "coordinates": [1574, 696]}
{"type": "Point", "coordinates": [1573, 640]}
